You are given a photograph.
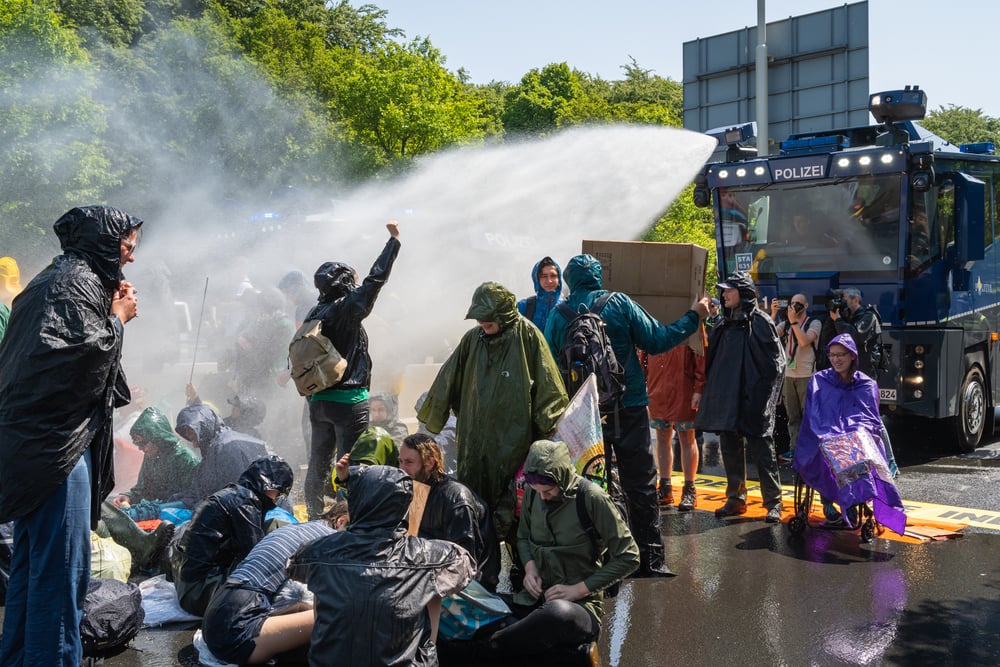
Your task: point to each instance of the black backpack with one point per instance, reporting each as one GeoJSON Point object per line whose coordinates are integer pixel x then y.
{"type": "Point", "coordinates": [588, 527]}
{"type": "Point", "coordinates": [878, 355]}
{"type": "Point", "coordinates": [112, 616]}
{"type": "Point", "coordinates": [587, 349]}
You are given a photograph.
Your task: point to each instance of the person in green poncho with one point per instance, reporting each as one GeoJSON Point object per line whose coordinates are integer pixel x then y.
{"type": "Point", "coordinates": [167, 465]}
{"type": "Point", "coordinates": [505, 390]}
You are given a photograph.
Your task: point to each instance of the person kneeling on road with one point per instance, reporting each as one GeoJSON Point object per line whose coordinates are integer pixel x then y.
{"type": "Point", "coordinates": [560, 607]}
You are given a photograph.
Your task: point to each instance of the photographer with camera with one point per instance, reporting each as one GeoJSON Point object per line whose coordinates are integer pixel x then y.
{"type": "Point", "coordinates": [848, 315]}
{"type": "Point", "coordinates": [799, 334]}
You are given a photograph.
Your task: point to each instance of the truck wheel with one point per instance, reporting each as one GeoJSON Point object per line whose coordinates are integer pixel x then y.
{"type": "Point", "coordinates": [971, 419]}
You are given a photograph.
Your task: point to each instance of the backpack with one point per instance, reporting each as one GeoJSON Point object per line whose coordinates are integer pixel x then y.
{"type": "Point", "coordinates": [878, 354]}
{"type": "Point", "coordinates": [587, 349]}
{"type": "Point", "coordinates": [588, 527]}
{"type": "Point", "coordinates": [530, 306]}
{"type": "Point", "coordinates": [112, 616]}
{"type": "Point", "coordinates": [314, 362]}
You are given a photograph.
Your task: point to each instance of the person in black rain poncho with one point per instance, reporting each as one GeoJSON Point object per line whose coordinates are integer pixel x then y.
{"type": "Point", "coordinates": [373, 585]}
{"type": "Point", "coordinates": [745, 368]}
{"type": "Point", "coordinates": [224, 529]}
{"type": "Point", "coordinates": [225, 453]}
{"type": "Point", "coordinates": [339, 414]}
{"type": "Point", "coordinates": [60, 381]}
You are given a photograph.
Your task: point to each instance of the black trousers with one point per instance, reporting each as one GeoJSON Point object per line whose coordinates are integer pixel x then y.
{"type": "Point", "coordinates": [335, 429]}
{"type": "Point", "coordinates": [553, 625]}
{"type": "Point", "coordinates": [632, 448]}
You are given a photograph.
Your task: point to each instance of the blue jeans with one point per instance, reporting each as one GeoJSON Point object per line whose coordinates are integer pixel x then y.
{"type": "Point", "coordinates": [49, 574]}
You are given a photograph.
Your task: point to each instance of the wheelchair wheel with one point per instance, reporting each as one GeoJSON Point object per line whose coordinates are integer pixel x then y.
{"type": "Point", "coordinates": [868, 530]}
{"type": "Point", "coordinates": [797, 525]}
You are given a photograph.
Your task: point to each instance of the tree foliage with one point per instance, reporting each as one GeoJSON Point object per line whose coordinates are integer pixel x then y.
{"type": "Point", "coordinates": [51, 149]}
{"type": "Point", "coordinates": [961, 125]}
{"type": "Point", "coordinates": [684, 222]}
{"type": "Point", "coordinates": [401, 102]}
{"type": "Point", "coordinates": [135, 101]}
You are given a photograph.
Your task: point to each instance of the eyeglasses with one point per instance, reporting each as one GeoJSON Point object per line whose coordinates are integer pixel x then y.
{"type": "Point", "coordinates": [835, 355]}
{"type": "Point", "coordinates": [128, 246]}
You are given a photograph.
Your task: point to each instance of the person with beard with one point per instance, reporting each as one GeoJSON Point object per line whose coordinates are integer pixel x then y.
{"type": "Point", "coordinates": [451, 511]}
{"type": "Point", "coordinates": [60, 382]}
{"type": "Point", "coordinates": [505, 390]}
{"type": "Point", "coordinates": [339, 414]}
{"type": "Point", "coordinates": [745, 369]}
{"type": "Point", "coordinates": [223, 530]}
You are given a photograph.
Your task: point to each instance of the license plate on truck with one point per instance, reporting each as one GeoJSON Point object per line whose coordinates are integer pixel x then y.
{"type": "Point", "coordinates": [887, 395]}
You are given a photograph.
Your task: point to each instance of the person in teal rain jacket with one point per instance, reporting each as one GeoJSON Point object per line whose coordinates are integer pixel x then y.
{"type": "Point", "coordinates": [629, 327]}
{"type": "Point", "coordinates": [504, 388]}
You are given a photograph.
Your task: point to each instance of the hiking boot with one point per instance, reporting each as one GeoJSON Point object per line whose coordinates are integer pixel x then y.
{"type": "Point", "coordinates": [162, 537]}
{"type": "Point", "coordinates": [773, 514]}
{"type": "Point", "coordinates": [589, 654]}
{"type": "Point", "coordinates": [732, 507]}
{"type": "Point", "coordinates": [689, 498]}
{"type": "Point", "coordinates": [665, 493]}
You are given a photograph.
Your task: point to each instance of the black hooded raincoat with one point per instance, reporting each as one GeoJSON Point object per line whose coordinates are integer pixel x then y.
{"type": "Point", "coordinates": [744, 367]}
{"type": "Point", "coordinates": [60, 370]}
{"type": "Point", "coordinates": [372, 583]}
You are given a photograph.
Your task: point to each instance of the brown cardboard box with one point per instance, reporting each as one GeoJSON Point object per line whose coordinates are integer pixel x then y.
{"type": "Point", "coordinates": [664, 278]}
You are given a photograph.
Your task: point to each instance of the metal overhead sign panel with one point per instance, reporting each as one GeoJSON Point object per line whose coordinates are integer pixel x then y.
{"type": "Point", "coordinates": [817, 74]}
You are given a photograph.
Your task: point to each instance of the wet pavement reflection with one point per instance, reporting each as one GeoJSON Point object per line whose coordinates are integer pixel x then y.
{"type": "Point", "coordinates": [752, 592]}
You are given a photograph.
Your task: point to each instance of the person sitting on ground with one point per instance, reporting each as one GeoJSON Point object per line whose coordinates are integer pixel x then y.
{"type": "Point", "coordinates": [246, 413]}
{"type": "Point", "coordinates": [383, 411]}
{"type": "Point", "coordinates": [451, 511]}
{"type": "Point", "coordinates": [167, 468]}
{"type": "Point", "coordinates": [547, 279]}
{"type": "Point", "coordinates": [224, 529]}
{"type": "Point", "coordinates": [560, 607]}
{"type": "Point", "coordinates": [377, 591]}
{"type": "Point", "coordinates": [259, 612]}
{"type": "Point", "coordinates": [842, 400]}
{"type": "Point", "coordinates": [375, 447]}
{"type": "Point", "coordinates": [446, 438]}
{"type": "Point", "coordinates": [225, 453]}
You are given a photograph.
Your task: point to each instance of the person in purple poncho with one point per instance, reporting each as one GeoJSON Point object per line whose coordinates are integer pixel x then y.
{"type": "Point", "coordinates": [842, 400]}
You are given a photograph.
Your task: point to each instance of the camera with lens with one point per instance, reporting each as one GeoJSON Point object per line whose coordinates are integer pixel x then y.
{"type": "Point", "coordinates": [838, 304]}
{"type": "Point", "coordinates": [797, 307]}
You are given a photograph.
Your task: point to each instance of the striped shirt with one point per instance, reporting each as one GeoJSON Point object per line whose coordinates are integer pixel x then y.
{"type": "Point", "coordinates": [264, 567]}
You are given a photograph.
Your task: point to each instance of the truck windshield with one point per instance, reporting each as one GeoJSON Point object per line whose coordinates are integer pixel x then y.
{"type": "Point", "coordinates": [850, 226]}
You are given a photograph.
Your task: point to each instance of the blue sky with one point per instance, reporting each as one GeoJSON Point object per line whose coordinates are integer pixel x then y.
{"type": "Point", "coordinates": [945, 48]}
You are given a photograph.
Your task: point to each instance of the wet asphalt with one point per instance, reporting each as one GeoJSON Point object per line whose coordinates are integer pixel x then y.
{"type": "Point", "coordinates": [751, 593]}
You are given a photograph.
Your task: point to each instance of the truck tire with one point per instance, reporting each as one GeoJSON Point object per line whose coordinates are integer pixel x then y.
{"type": "Point", "coordinates": [970, 422]}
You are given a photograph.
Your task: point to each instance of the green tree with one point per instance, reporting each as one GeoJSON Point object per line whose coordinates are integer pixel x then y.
{"type": "Point", "coordinates": [117, 22]}
{"type": "Point", "coordinates": [548, 99]}
{"type": "Point", "coordinates": [194, 113]}
{"type": "Point", "coordinates": [401, 102]}
{"type": "Point", "coordinates": [52, 156]}
{"type": "Point", "coordinates": [643, 97]}
{"type": "Point", "coordinates": [684, 222]}
{"type": "Point", "coordinates": [961, 125]}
